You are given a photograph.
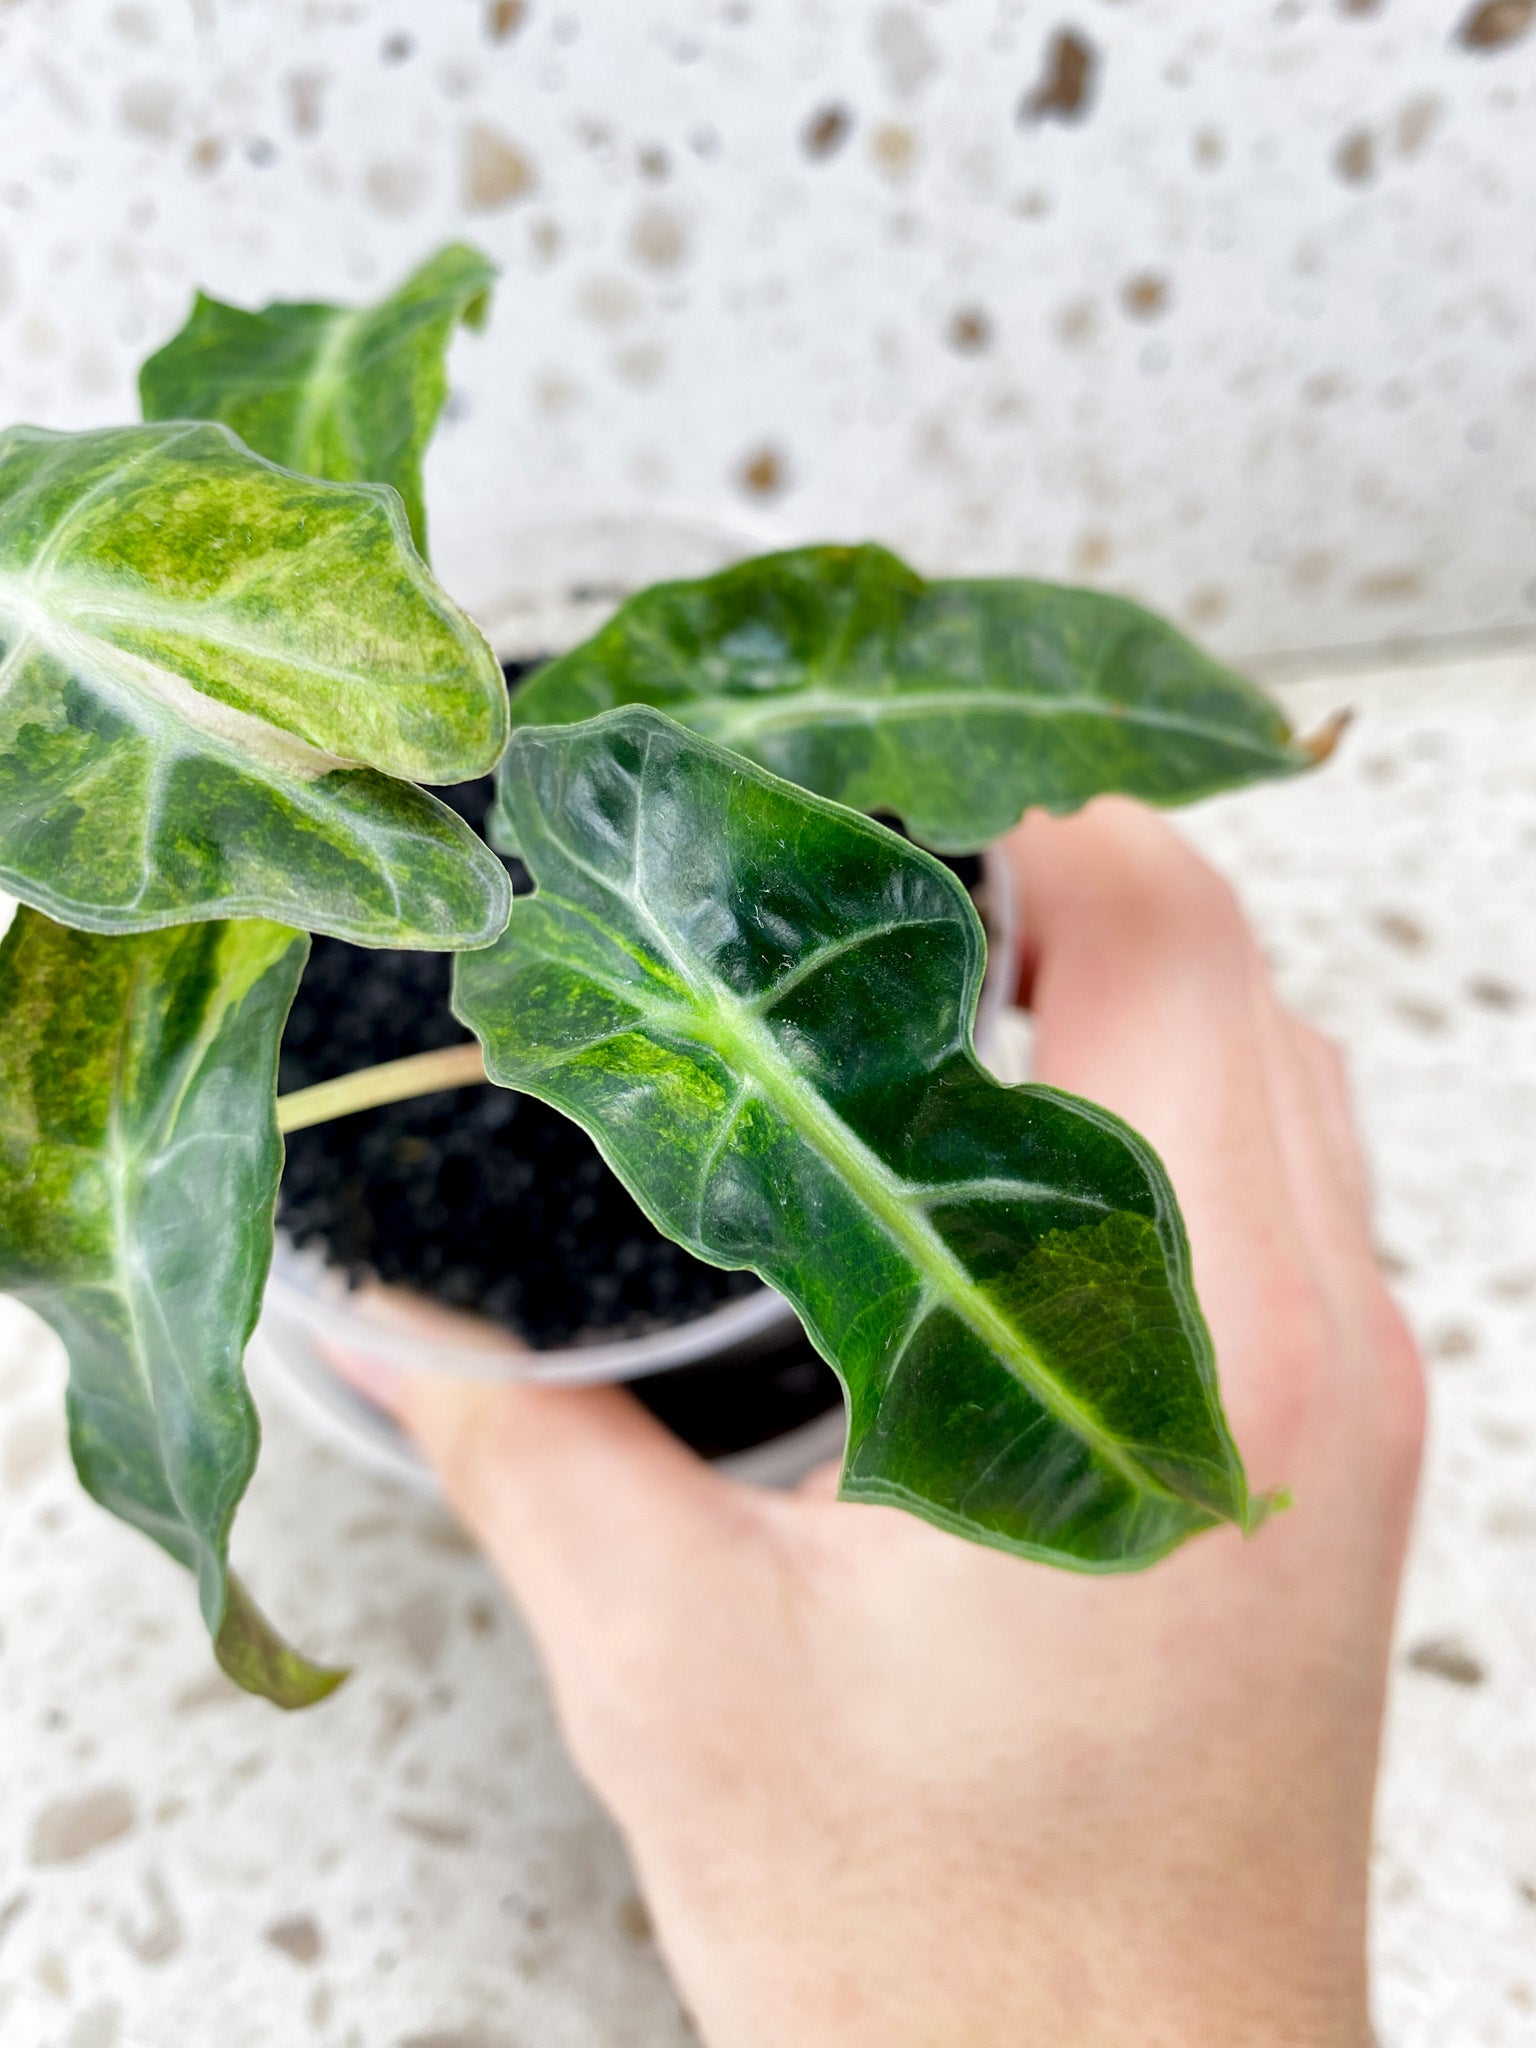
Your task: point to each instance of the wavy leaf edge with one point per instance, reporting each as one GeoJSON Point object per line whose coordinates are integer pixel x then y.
{"type": "Point", "coordinates": [799, 661]}
{"type": "Point", "coordinates": [133, 712]}
{"type": "Point", "coordinates": [745, 1047]}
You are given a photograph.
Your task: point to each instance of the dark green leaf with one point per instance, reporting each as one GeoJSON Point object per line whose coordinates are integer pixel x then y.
{"type": "Point", "coordinates": [139, 1160]}
{"type": "Point", "coordinates": [211, 675]}
{"type": "Point", "coordinates": [346, 392]}
{"type": "Point", "coordinates": [955, 705]}
{"type": "Point", "coordinates": [760, 1005]}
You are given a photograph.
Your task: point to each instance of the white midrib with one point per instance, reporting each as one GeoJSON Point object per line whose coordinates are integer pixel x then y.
{"type": "Point", "coordinates": [717, 1018]}
{"type": "Point", "coordinates": [119, 1163]}
{"type": "Point", "coordinates": [327, 377]}
{"type": "Point", "coordinates": [123, 1165]}
{"type": "Point", "coordinates": [41, 624]}
{"type": "Point", "coordinates": [747, 1046]}
{"type": "Point", "coordinates": [731, 719]}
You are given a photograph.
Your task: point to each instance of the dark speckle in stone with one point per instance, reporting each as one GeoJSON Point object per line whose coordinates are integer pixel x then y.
{"type": "Point", "coordinates": [1490, 993]}
{"type": "Point", "coordinates": [1445, 1657]}
{"type": "Point", "coordinates": [970, 331]}
{"type": "Point", "coordinates": [1066, 88]}
{"type": "Point", "coordinates": [1401, 930]}
{"type": "Point", "coordinates": [635, 1919]}
{"type": "Point", "coordinates": [297, 1936]}
{"type": "Point", "coordinates": [825, 132]}
{"type": "Point", "coordinates": [11, 1911]}
{"type": "Point", "coordinates": [1453, 1341]}
{"type": "Point", "coordinates": [158, 1935]}
{"type": "Point", "coordinates": [434, 1829]}
{"type": "Point", "coordinates": [68, 1829]}
{"type": "Point", "coordinates": [1496, 23]}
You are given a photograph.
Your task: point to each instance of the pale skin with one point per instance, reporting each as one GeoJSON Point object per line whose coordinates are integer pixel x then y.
{"type": "Point", "coordinates": [886, 1789]}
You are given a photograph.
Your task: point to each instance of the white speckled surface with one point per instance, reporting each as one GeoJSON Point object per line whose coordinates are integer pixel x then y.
{"type": "Point", "coordinates": [1251, 336]}
{"type": "Point", "coordinates": [413, 1866]}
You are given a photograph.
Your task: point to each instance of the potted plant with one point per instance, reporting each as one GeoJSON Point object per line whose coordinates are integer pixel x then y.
{"type": "Point", "coordinates": [226, 673]}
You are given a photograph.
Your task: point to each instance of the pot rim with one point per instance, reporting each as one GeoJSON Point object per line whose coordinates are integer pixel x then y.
{"type": "Point", "coordinates": [332, 1410]}
{"type": "Point", "coordinates": [303, 1289]}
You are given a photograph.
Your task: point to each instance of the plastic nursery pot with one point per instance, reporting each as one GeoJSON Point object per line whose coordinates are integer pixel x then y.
{"type": "Point", "coordinates": [740, 1381]}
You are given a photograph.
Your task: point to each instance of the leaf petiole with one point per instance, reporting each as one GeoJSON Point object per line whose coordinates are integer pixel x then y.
{"type": "Point", "coordinates": [424, 1073]}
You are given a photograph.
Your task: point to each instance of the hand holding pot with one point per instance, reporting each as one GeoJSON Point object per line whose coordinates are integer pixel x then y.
{"type": "Point", "coordinates": [884, 1787]}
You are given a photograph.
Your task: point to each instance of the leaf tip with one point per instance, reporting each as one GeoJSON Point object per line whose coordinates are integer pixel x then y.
{"type": "Point", "coordinates": [1318, 746]}
{"type": "Point", "coordinates": [250, 1651]}
{"type": "Point", "coordinates": [1264, 1505]}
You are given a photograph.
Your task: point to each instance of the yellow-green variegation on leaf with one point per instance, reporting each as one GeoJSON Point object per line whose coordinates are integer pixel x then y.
{"type": "Point", "coordinates": [955, 705]}
{"type": "Point", "coordinates": [139, 1161]}
{"type": "Point", "coordinates": [347, 392]}
{"type": "Point", "coordinates": [219, 683]}
{"type": "Point", "coordinates": [760, 1005]}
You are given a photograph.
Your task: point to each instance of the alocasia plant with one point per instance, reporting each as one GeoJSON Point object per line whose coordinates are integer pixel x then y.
{"type": "Point", "coordinates": [224, 672]}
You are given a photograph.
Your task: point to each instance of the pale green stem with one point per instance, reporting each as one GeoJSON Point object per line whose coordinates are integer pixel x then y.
{"type": "Point", "coordinates": [424, 1073]}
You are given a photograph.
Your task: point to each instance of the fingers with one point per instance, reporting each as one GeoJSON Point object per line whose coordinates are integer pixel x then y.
{"type": "Point", "coordinates": [1326, 1082]}
{"type": "Point", "coordinates": [1115, 892]}
{"type": "Point", "coordinates": [1331, 1188]}
{"type": "Point", "coordinates": [588, 1507]}
{"type": "Point", "coordinates": [1148, 990]}
{"type": "Point", "coordinates": [1150, 996]}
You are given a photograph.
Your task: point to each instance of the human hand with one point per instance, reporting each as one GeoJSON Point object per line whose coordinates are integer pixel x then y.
{"type": "Point", "coordinates": [885, 1787]}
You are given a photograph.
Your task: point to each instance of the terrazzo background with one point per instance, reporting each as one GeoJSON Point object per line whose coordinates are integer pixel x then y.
{"type": "Point", "coordinates": [1229, 305]}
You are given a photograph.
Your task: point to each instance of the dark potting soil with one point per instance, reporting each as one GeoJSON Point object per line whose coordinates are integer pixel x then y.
{"type": "Point", "coordinates": [494, 1203]}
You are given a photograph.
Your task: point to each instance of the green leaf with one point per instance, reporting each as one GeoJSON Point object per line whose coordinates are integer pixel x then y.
{"type": "Point", "coordinates": [139, 1160]}
{"type": "Point", "coordinates": [346, 392]}
{"type": "Point", "coordinates": [954, 705]}
{"type": "Point", "coordinates": [212, 674]}
{"type": "Point", "coordinates": [760, 1005]}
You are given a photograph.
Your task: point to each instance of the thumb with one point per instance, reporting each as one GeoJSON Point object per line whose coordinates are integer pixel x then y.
{"type": "Point", "coordinates": [589, 1509]}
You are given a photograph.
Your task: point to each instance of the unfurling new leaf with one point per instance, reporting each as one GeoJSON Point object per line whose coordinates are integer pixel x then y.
{"type": "Point", "coordinates": [760, 1005]}
{"type": "Point", "coordinates": [346, 392]}
{"type": "Point", "coordinates": [954, 705]}
{"type": "Point", "coordinates": [218, 682]}
{"type": "Point", "coordinates": [139, 1160]}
